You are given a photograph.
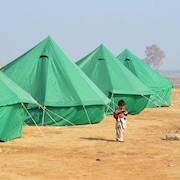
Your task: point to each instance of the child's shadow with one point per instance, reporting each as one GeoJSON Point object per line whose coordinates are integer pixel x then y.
{"type": "Point", "coordinates": [99, 139]}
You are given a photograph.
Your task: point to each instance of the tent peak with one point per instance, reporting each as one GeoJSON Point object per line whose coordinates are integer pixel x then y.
{"type": "Point", "coordinates": [48, 38]}
{"type": "Point", "coordinates": [102, 46]}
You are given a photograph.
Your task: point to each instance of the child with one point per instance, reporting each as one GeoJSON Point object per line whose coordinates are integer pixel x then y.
{"type": "Point", "coordinates": [119, 115]}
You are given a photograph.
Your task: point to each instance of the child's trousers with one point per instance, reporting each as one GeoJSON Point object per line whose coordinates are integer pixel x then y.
{"type": "Point", "coordinates": [119, 131]}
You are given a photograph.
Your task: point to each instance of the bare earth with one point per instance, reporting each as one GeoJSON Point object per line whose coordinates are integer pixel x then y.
{"type": "Point", "coordinates": [91, 152]}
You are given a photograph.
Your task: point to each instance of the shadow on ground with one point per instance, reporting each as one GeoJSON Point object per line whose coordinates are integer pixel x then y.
{"type": "Point", "coordinates": [97, 139]}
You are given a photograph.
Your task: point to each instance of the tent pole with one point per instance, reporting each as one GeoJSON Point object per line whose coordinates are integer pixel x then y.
{"type": "Point", "coordinates": [43, 116]}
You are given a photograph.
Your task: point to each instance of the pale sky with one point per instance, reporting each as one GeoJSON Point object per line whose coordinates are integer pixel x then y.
{"type": "Point", "coordinates": [80, 26]}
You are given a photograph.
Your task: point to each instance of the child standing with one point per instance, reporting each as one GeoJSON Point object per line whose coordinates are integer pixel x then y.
{"type": "Point", "coordinates": [119, 115]}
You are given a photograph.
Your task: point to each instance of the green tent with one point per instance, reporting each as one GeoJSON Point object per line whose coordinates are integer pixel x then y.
{"type": "Point", "coordinates": [152, 79]}
{"type": "Point", "coordinates": [116, 81]}
{"type": "Point", "coordinates": [69, 97]}
{"type": "Point", "coordinates": [12, 108]}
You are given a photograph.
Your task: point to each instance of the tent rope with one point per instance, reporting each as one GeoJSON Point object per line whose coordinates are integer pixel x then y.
{"type": "Point", "coordinates": [44, 111]}
{"type": "Point", "coordinates": [150, 100]}
{"type": "Point", "coordinates": [110, 108]}
{"type": "Point", "coordinates": [61, 117]}
{"type": "Point", "coordinates": [87, 114]}
{"type": "Point", "coordinates": [163, 101]}
{"type": "Point", "coordinates": [112, 101]}
{"type": "Point", "coordinates": [177, 111]}
{"type": "Point", "coordinates": [174, 109]}
{"type": "Point", "coordinates": [32, 119]}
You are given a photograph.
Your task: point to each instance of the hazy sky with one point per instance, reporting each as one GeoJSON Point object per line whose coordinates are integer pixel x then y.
{"type": "Point", "coordinates": [80, 26]}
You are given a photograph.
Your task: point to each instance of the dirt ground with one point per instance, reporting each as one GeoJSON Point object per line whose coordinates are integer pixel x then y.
{"type": "Point", "coordinates": [90, 151]}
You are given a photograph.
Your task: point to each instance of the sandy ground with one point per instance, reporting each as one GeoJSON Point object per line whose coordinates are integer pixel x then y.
{"type": "Point", "coordinates": [91, 152]}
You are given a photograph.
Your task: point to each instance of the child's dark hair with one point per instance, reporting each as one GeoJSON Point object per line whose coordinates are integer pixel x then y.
{"type": "Point", "coordinates": [121, 102]}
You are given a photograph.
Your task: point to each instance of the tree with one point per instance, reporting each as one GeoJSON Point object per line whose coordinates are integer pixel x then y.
{"type": "Point", "coordinates": [154, 56]}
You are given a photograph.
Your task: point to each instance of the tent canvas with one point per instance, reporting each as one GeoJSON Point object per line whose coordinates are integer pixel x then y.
{"type": "Point", "coordinates": [12, 111]}
{"type": "Point", "coordinates": [152, 79]}
{"type": "Point", "coordinates": [68, 95]}
{"type": "Point", "coordinates": [116, 81]}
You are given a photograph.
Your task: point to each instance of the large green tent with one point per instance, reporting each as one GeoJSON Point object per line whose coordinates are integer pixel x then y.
{"type": "Point", "coordinates": [157, 83]}
{"type": "Point", "coordinates": [13, 111]}
{"type": "Point", "coordinates": [69, 97]}
{"type": "Point", "coordinates": [115, 80]}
